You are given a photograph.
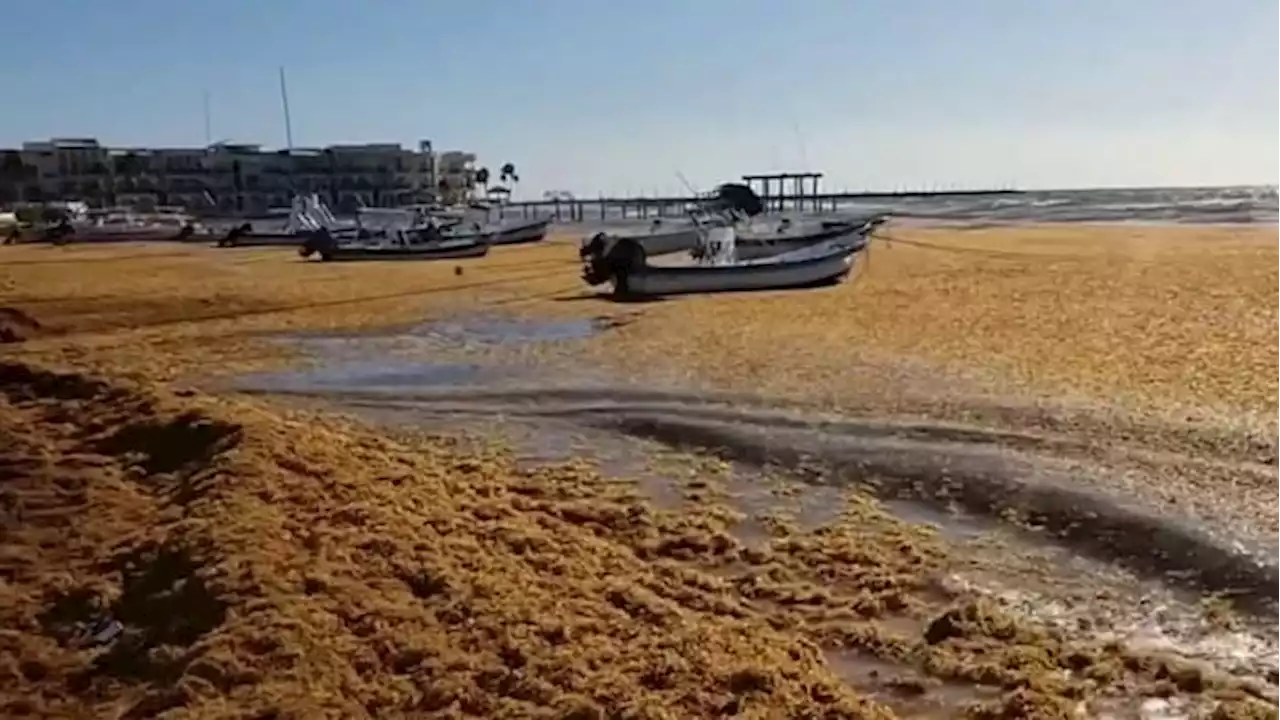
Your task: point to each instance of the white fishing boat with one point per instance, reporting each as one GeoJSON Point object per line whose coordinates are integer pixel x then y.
{"type": "Point", "coordinates": [476, 220]}
{"type": "Point", "coordinates": [738, 205]}
{"type": "Point", "coordinates": [519, 232]}
{"type": "Point", "coordinates": [398, 246]}
{"type": "Point", "coordinates": [120, 225]}
{"type": "Point", "coordinates": [623, 263]}
{"type": "Point", "coordinates": [669, 237]}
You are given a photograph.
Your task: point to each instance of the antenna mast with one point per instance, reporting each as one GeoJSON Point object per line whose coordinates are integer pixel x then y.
{"type": "Point", "coordinates": [284, 100]}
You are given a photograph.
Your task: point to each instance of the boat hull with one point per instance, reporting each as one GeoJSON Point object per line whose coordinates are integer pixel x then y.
{"type": "Point", "coordinates": [281, 239]}
{"type": "Point", "coordinates": [749, 246]}
{"type": "Point", "coordinates": [263, 240]}
{"type": "Point", "coordinates": [757, 250]}
{"type": "Point", "coordinates": [531, 232]}
{"type": "Point", "coordinates": [411, 252]}
{"type": "Point", "coordinates": [665, 243]}
{"type": "Point", "coordinates": [87, 236]}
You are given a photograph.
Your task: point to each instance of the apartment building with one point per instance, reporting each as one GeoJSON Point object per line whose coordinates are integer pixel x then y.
{"type": "Point", "coordinates": [69, 168]}
{"type": "Point", "coordinates": [235, 178]}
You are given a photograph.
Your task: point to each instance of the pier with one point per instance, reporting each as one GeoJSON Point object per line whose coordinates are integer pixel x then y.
{"type": "Point", "coordinates": [804, 194]}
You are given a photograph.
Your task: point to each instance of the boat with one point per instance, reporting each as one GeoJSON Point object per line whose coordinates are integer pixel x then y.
{"type": "Point", "coordinates": [120, 225]}
{"type": "Point", "coordinates": [781, 241]}
{"type": "Point", "coordinates": [519, 233]}
{"type": "Point", "coordinates": [733, 204]}
{"type": "Point", "coordinates": [623, 262]}
{"type": "Point", "coordinates": [475, 221]}
{"type": "Point", "coordinates": [663, 239]}
{"type": "Point", "coordinates": [328, 248]}
{"type": "Point", "coordinates": [660, 240]}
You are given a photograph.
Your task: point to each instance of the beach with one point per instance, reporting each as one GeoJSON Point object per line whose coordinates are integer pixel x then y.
{"type": "Point", "coordinates": [1009, 471]}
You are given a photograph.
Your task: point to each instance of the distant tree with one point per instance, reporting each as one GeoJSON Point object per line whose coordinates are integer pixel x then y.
{"type": "Point", "coordinates": [508, 173]}
{"type": "Point", "coordinates": [482, 178]}
{"type": "Point", "coordinates": [331, 168]}
{"type": "Point", "coordinates": [237, 183]}
{"type": "Point", "coordinates": [128, 165]}
{"type": "Point", "coordinates": [14, 174]}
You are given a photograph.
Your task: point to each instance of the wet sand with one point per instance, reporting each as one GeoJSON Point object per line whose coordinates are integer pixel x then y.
{"type": "Point", "coordinates": [408, 573]}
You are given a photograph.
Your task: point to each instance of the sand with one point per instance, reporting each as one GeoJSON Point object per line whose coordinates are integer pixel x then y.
{"type": "Point", "coordinates": [323, 568]}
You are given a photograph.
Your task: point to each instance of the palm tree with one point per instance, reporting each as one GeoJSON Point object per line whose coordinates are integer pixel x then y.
{"type": "Point", "coordinates": [508, 173]}
{"type": "Point", "coordinates": [482, 178]}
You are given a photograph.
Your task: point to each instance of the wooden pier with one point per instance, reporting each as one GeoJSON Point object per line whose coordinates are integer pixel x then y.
{"type": "Point", "coordinates": [804, 195]}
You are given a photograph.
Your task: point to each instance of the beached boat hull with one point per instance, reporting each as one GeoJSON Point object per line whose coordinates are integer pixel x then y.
{"type": "Point", "coordinates": [748, 250]}
{"type": "Point", "coordinates": [244, 237]}
{"type": "Point", "coordinates": [749, 246]}
{"type": "Point", "coordinates": [671, 241]}
{"type": "Point", "coordinates": [328, 249]}
{"type": "Point", "coordinates": [529, 232]}
{"type": "Point", "coordinates": [263, 240]}
{"type": "Point", "coordinates": [347, 254]}
{"type": "Point", "coordinates": [64, 236]}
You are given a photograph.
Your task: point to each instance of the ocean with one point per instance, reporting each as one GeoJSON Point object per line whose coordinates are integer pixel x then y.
{"type": "Point", "coordinates": [1248, 204]}
{"type": "Point", "coordinates": [1256, 204]}
{"type": "Point", "coordinates": [1207, 205]}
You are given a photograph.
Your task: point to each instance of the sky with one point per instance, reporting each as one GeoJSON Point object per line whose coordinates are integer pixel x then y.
{"type": "Point", "coordinates": [629, 96]}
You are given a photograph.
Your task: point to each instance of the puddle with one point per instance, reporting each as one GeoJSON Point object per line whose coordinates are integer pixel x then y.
{"type": "Point", "coordinates": [950, 524]}
{"type": "Point", "coordinates": [370, 376]}
{"type": "Point", "coordinates": [355, 362]}
{"type": "Point", "coordinates": [509, 331]}
{"type": "Point", "coordinates": [487, 329]}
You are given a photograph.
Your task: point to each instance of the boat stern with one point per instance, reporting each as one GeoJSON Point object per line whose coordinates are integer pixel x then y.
{"type": "Point", "coordinates": [610, 259]}
{"type": "Point", "coordinates": [319, 242]}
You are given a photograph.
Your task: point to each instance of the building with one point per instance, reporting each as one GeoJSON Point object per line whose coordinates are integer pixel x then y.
{"type": "Point", "coordinates": [70, 168]}
{"type": "Point", "coordinates": [456, 173]}
{"type": "Point", "coordinates": [235, 178]}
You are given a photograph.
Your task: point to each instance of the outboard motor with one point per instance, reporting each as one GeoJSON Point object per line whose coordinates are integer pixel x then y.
{"type": "Point", "coordinates": [61, 233]}
{"type": "Point", "coordinates": [608, 259]}
{"type": "Point", "coordinates": [319, 242]}
{"type": "Point", "coordinates": [592, 253]}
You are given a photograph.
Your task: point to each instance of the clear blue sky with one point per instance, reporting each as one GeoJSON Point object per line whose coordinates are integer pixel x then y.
{"type": "Point", "coordinates": [620, 95]}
